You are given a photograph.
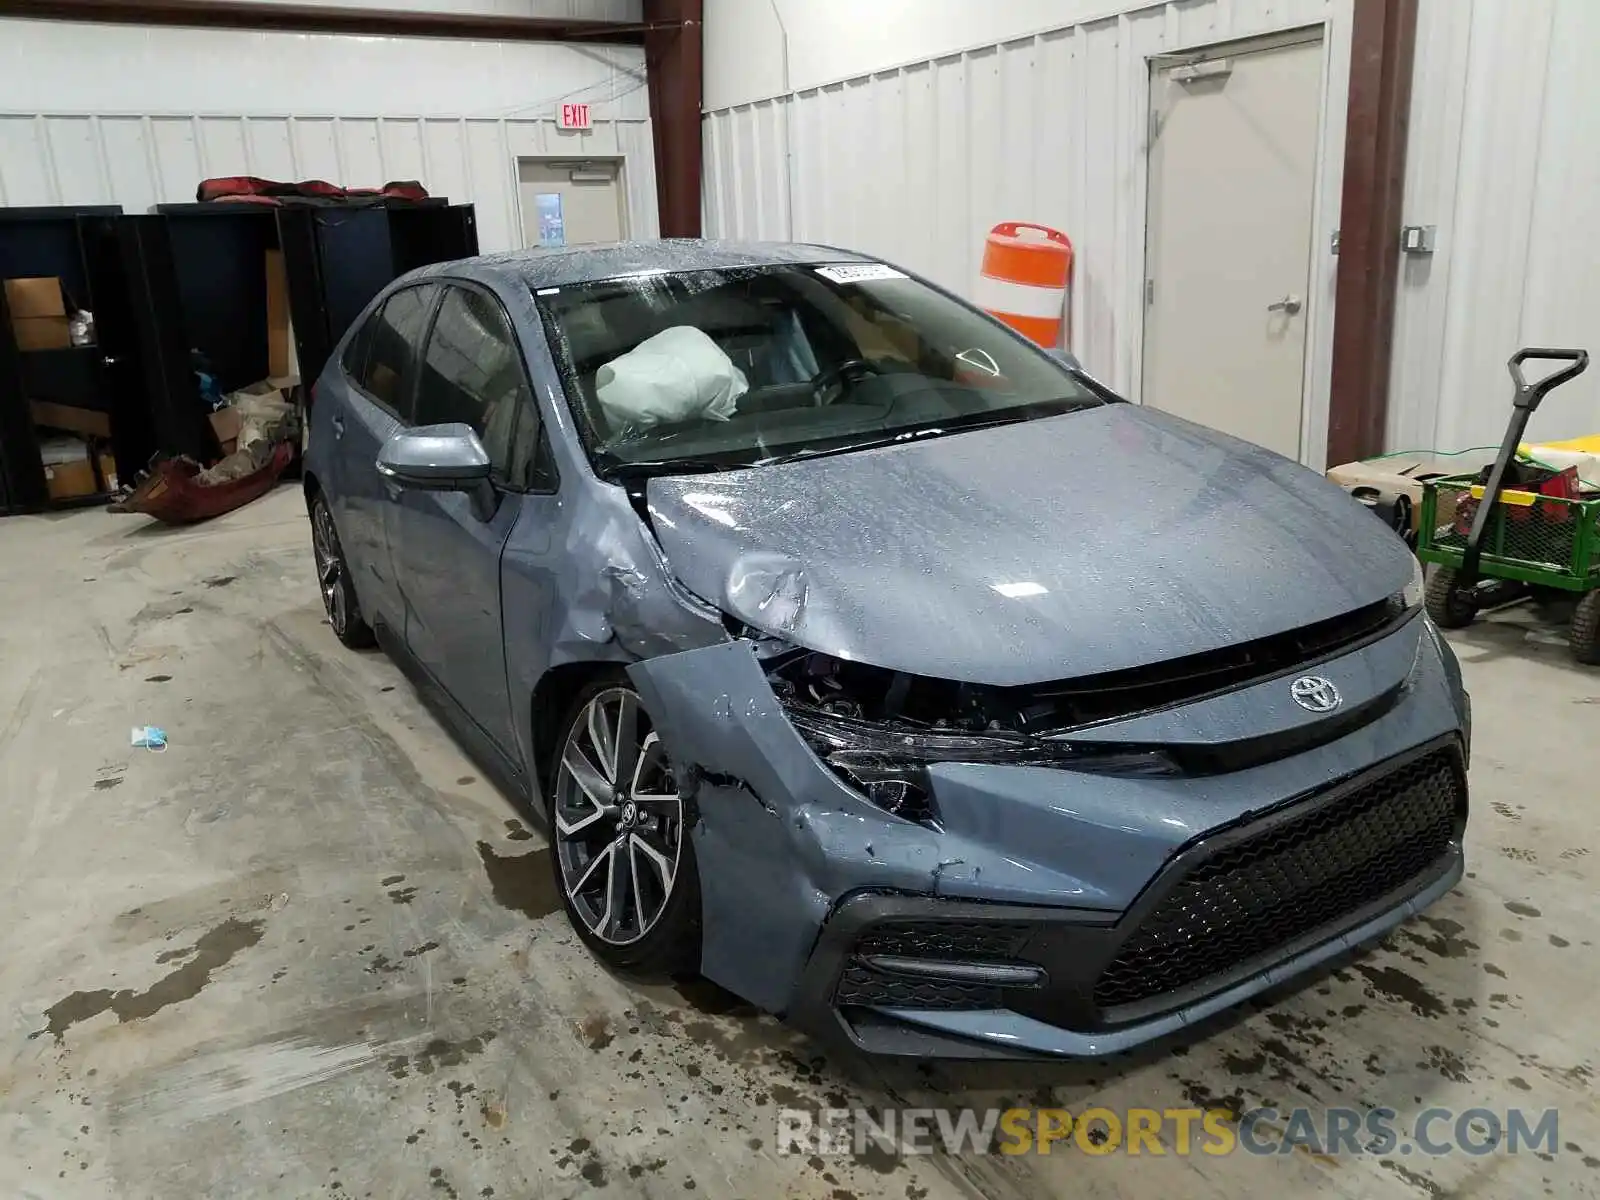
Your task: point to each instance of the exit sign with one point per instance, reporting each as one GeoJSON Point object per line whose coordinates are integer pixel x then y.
{"type": "Point", "coordinates": [574, 116]}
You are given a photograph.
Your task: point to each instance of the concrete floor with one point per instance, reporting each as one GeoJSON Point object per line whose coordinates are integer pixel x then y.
{"type": "Point", "coordinates": [306, 950]}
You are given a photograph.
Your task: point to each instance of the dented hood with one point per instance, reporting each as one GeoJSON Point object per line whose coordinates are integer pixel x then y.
{"type": "Point", "coordinates": [1089, 542]}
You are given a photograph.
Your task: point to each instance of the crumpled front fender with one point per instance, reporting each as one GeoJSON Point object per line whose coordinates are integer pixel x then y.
{"type": "Point", "coordinates": [779, 839]}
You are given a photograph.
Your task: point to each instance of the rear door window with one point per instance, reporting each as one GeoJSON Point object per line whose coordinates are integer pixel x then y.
{"type": "Point", "coordinates": [388, 370]}
{"type": "Point", "coordinates": [472, 374]}
{"type": "Point", "coordinates": [354, 359]}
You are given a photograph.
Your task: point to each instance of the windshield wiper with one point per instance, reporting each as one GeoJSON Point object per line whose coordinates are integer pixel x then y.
{"type": "Point", "coordinates": [962, 424]}
{"type": "Point", "coordinates": [611, 465]}
{"type": "Point", "coordinates": [893, 439]}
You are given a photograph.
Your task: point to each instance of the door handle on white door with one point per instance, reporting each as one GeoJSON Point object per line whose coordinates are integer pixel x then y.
{"type": "Point", "coordinates": [1289, 304]}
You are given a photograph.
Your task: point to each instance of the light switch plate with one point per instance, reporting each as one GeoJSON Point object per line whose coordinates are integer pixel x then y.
{"type": "Point", "coordinates": [1418, 239]}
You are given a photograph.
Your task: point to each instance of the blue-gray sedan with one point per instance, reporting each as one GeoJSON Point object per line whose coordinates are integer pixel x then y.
{"type": "Point", "coordinates": [882, 667]}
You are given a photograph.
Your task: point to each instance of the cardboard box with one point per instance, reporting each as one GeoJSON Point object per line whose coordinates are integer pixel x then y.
{"type": "Point", "coordinates": [225, 424]}
{"type": "Point", "coordinates": [1400, 476]}
{"type": "Point", "coordinates": [279, 345]}
{"type": "Point", "coordinates": [35, 296]}
{"type": "Point", "coordinates": [273, 383]}
{"type": "Point", "coordinates": [86, 421]}
{"type": "Point", "coordinates": [41, 333]}
{"type": "Point", "coordinates": [70, 480]}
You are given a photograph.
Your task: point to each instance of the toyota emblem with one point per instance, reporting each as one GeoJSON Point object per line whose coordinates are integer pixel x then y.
{"type": "Point", "coordinates": [1315, 694]}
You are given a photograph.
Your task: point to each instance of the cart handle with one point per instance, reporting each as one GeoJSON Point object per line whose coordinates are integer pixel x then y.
{"type": "Point", "coordinates": [1529, 394]}
{"type": "Point", "coordinates": [1522, 406]}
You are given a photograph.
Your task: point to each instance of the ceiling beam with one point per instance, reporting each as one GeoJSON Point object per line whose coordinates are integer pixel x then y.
{"type": "Point", "coordinates": [322, 18]}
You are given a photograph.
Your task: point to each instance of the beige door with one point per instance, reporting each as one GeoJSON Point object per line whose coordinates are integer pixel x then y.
{"type": "Point", "coordinates": [1228, 239]}
{"type": "Point", "coordinates": [566, 203]}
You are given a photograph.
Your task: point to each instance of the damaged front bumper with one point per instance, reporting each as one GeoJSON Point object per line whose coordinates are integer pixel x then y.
{"type": "Point", "coordinates": [1054, 911]}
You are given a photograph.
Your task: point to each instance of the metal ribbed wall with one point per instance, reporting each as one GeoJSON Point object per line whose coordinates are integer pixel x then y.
{"type": "Point", "coordinates": [143, 115]}
{"type": "Point", "coordinates": [916, 163]}
{"type": "Point", "coordinates": [1505, 161]}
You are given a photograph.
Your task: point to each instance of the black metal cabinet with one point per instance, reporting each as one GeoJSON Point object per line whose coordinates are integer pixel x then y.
{"type": "Point", "coordinates": [338, 259]}
{"type": "Point", "coordinates": [167, 332]}
{"type": "Point", "coordinates": [192, 278]}
{"type": "Point", "coordinates": [77, 245]}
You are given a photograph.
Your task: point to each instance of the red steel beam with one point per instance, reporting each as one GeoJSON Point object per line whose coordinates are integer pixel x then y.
{"type": "Point", "coordinates": [321, 18]}
{"type": "Point", "coordinates": [673, 58]}
{"type": "Point", "coordinates": [1383, 42]}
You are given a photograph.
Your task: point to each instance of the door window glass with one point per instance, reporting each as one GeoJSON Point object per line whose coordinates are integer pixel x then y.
{"type": "Point", "coordinates": [391, 359]}
{"type": "Point", "coordinates": [472, 373]}
{"type": "Point", "coordinates": [552, 228]}
{"type": "Point", "coordinates": [355, 350]}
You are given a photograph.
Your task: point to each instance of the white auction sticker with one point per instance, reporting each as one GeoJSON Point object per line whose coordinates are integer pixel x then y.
{"type": "Point", "coordinates": [859, 272]}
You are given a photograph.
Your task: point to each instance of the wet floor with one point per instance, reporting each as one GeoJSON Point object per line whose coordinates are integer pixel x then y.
{"type": "Point", "coordinates": [309, 950]}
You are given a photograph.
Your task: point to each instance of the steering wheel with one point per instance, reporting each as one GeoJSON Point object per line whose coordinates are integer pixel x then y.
{"type": "Point", "coordinates": [833, 376]}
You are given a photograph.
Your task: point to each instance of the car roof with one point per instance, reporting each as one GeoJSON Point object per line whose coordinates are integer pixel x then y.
{"type": "Point", "coordinates": [583, 264]}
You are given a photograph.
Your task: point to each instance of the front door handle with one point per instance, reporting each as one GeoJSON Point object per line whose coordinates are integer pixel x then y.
{"type": "Point", "coordinates": [1289, 304]}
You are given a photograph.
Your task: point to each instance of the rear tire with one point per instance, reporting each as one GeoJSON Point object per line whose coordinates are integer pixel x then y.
{"type": "Point", "coordinates": [333, 580]}
{"type": "Point", "coordinates": [1584, 636]}
{"type": "Point", "coordinates": [1449, 606]}
{"type": "Point", "coordinates": [619, 836]}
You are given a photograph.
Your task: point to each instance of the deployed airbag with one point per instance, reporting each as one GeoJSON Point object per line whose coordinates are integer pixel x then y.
{"type": "Point", "coordinates": [677, 375]}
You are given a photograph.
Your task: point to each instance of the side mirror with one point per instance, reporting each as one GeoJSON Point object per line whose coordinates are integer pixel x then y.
{"type": "Point", "coordinates": [436, 458]}
{"type": "Point", "coordinates": [1066, 358]}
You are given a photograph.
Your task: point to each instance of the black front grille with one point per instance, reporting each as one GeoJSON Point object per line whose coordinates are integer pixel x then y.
{"type": "Point", "coordinates": [970, 941]}
{"type": "Point", "coordinates": [1261, 891]}
{"type": "Point", "coordinates": [947, 941]}
{"type": "Point", "coordinates": [860, 984]}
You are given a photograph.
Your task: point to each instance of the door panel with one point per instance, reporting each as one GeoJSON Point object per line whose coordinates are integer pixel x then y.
{"type": "Point", "coordinates": [448, 568]}
{"type": "Point", "coordinates": [1228, 240]}
{"type": "Point", "coordinates": [360, 428]}
{"type": "Point", "coordinates": [302, 270]}
{"type": "Point", "coordinates": [151, 271]}
{"type": "Point", "coordinates": [379, 403]}
{"type": "Point", "coordinates": [560, 210]}
{"type": "Point", "coordinates": [355, 260]}
{"type": "Point", "coordinates": [117, 334]}
{"type": "Point", "coordinates": [447, 558]}
{"type": "Point", "coordinates": [419, 236]}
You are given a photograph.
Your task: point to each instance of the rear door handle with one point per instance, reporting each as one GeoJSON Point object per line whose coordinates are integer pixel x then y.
{"type": "Point", "coordinates": [1289, 304]}
{"type": "Point", "coordinates": [338, 426]}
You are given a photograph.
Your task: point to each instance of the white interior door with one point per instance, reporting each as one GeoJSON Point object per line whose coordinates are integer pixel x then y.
{"type": "Point", "coordinates": [566, 204]}
{"type": "Point", "coordinates": [1228, 239]}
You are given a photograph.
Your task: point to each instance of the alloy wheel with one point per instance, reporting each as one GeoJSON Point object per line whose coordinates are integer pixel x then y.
{"type": "Point", "coordinates": [617, 818]}
{"type": "Point", "coordinates": [330, 566]}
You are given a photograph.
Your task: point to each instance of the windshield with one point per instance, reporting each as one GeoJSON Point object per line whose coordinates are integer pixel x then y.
{"type": "Point", "coordinates": [707, 370]}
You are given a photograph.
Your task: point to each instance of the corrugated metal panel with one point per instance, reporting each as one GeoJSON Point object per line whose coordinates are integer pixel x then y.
{"type": "Point", "coordinates": [48, 66]}
{"type": "Point", "coordinates": [141, 161]}
{"type": "Point", "coordinates": [1504, 158]}
{"type": "Point", "coordinates": [917, 163]}
{"type": "Point", "coordinates": [452, 114]}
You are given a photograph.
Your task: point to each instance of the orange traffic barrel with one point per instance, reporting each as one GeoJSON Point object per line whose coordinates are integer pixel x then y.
{"type": "Point", "coordinates": [1023, 282]}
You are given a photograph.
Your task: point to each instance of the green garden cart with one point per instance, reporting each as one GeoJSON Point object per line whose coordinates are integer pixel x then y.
{"type": "Point", "coordinates": [1519, 529]}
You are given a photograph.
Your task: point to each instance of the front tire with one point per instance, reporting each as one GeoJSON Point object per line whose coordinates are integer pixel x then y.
{"type": "Point", "coordinates": [621, 851]}
{"type": "Point", "coordinates": [333, 580]}
{"type": "Point", "coordinates": [1449, 606]}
